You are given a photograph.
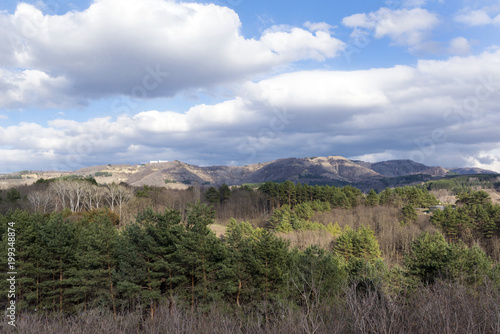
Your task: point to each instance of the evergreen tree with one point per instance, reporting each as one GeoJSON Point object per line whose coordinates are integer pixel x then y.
{"type": "Point", "coordinates": [239, 238]}
{"type": "Point", "coordinates": [428, 257]}
{"type": "Point", "coordinates": [385, 196]}
{"type": "Point", "coordinates": [201, 255]}
{"type": "Point", "coordinates": [269, 265]}
{"type": "Point", "coordinates": [357, 244]}
{"type": "Point", "coordinates": [95, 264]}
{"type": "Point", "coordinates": [287, 193]}
{"type": "Point", "coordinates": [474, 198]}
{"type": "Point", "coordinates": [13, 195]}
{"type": "Point", "coordinates": [372, 198]}
{"type": "Point", "coordinates": [224, 193]}
{"type": "Point", "coordinates": [212, 196]}
{"type": "Point", "coordinates": [282, 218]}
{"type": "Point", "coordinates": [58, 238]}
{"type": "Point", "coordinates": [409, 214]}
{"type": "Point", "coordinates": [315, 275]}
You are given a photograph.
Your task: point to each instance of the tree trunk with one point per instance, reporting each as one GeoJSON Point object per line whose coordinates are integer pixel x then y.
{"type": "Point", "coordinates": [111, 282]}
{"type": "Point", "coordinates": [192, 293]}
{"type": "Point", "coordinates": [60, 287]}
{"type": "Point", "coordinates": [239, 292]}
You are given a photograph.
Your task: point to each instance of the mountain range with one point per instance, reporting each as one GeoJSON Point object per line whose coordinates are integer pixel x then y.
{"type": "Point", "coordinates": [331, 170]}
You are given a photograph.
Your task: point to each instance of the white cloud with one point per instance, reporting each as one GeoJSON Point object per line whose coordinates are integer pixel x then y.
{"type": "Point", "coordinates": [146, 48]}
{"type": "Point", "coordinates": [459, 46]}
{"type": "Point", "coordinates": [417, 3]}
{"type": "Point", "coordinates": [474, 18]}
{"type": "Point", "coordinates": [487, 160]}
{"type": "Point", "coordinates": [442, 112]}
{"type": "Point", "coordinates": [23, 88]}
{"type": "Point", "coordinates": [496, 20]}
{"type": "Point", "coordinates": [480, 13]}
{"type": "Point", "coordinates": [403, 26]}
{"type": "Point", "coordinates": [318, 26]}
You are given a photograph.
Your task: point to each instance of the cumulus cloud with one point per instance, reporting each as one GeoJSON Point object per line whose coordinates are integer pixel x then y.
{"type": "Point", "coordinates": [23, 88]}
{"type": "Point", "coordinates": [402, 26]}
{"type": "Point", "coordinates": [437, 112]}
{"type": "Point", "coordinates": [459, 46]}
{"type": "Point", "coordinates": [318, 26]}
{"type": "Point", "coordinates": [144, 48]}
{"type": "Point", "coordinates": [478, 17]}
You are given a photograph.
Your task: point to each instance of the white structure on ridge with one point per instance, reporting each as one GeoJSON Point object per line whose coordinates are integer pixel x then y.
{"type": "Point", "coordinates": [157, 161]}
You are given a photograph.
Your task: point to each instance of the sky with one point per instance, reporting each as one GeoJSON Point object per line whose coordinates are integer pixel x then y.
{"type": "Point", "coordinates": [235, 82]}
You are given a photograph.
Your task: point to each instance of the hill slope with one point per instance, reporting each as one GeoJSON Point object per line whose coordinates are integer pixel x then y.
{"type": "Point", "coordinates": [333, 170]}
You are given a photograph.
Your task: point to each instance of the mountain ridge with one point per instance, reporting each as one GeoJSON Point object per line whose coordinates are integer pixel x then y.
{"type": "Point", "coordinates": [331, 170]}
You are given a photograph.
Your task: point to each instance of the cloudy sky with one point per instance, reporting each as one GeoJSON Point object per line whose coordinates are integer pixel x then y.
{"type": "Point", "coordinates": [234, 82]}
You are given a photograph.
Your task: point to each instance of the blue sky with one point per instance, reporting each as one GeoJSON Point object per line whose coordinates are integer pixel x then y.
{"type": "Point", "coordinates": [237, 82]}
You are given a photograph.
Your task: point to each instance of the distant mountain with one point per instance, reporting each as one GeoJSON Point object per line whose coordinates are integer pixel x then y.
{"type": "Point", "coordinates": [394, 168]}
{"type": "Point", "coordinates": [310, 170]}
{"type": "Point", "coordinates": [331, 170]}
{"type": "Point", "coordinates": [470, 170]}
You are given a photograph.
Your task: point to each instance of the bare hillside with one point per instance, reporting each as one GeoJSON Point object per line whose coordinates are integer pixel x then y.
{"type": "Point", "coordinates": [314, 170]}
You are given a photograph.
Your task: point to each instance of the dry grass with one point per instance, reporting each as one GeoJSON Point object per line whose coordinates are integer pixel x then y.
{"type": "Point", "coordinates": [495, 195]}
{"type": "Point", "coordinates": [444, 196]}
{"type": "Point", "coordinates": [218, 229]}
{"type": "Point", "coordinates": [303, 239]}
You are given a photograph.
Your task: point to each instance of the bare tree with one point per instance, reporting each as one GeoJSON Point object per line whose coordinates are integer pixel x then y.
{"type": "Point", "coordinates": [124, 196]}
{"type": "Point", "coordinates": [111, 194]}
{"type": "Point", "coordinates": [118, 195]}
{"type": "Point", "coordinates": [73, 194]}
{"type": "Point", "coordinates": [59, 188]}
{"type": "Point", "coordinates": [92, 196]}
{"type": "Point", "coordinates": [76, 193]}
{"type": "Point", "coordinates": [97, 195]}
{"type": "Point", "coordinates": [41, 200]}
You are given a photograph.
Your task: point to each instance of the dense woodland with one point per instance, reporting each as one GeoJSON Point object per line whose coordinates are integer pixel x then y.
{"type": "Point", "coordinates": [294, 258]}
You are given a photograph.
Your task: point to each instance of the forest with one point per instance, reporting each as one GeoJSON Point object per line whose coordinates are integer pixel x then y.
{"type": "Point", "coordinates": [273, 257]}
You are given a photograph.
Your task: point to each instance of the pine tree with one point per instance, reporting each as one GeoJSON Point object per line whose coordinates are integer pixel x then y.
{"type": "Point", "coordinates": [287, 193]}
{"type": "Point", "coordinates": [239, 237]}
{"type": "Point", "coordinates": [224, 193]}
{"type": "Point", "coordinates": [165, 230]}
{"type": "Point", "coordinates": [95, 264]}
{"type": "Point", "coordinates": [409, 214]}
{"type": "Point", "coordinates": [385, 196]}
{"type": "Point", "coordinates": [315, 275]}
{"type": "Point", "coordinates": [200, 254]}
{"type": "Point", "coordinates": [58, 238]}
{"type": "Point", "coordinates": [212, 196]}
{"type": "Point", "coordinates": [269, 263]}
{"type": "Point", "coordinates": [357, 244]}
{"type": "Point", "coordinates": [372, 198]}
{"type": "Point", "coordinates": [428, 257]}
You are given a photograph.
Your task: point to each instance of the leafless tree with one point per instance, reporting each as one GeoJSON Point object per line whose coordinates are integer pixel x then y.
{"type": "Point", "coordinates": [41, 200]}
{"type": "Point", "coordinates": [59, 188]}
{"type": "Point", "coordinates": [76, 191]}
{"type": "Point", "coordinates": [92, 196]}
{"type": "Point", "coordinates": [118, 195]}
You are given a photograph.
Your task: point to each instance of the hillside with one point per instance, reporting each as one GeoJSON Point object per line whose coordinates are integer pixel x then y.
{"type": "Point", "coordinates": [332, 170]}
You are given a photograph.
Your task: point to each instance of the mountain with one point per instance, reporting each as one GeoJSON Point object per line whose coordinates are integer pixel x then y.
{"type": "Point", "coordinates": [470, 170]}
{"type": "Point", "coordinates": [394, 168]}
{"type": "Point", "coordinates": [331, 170]}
